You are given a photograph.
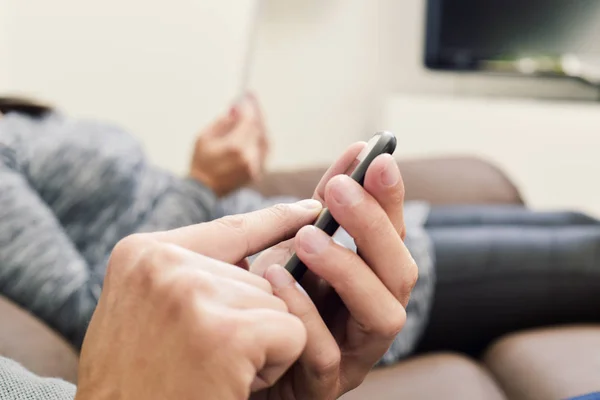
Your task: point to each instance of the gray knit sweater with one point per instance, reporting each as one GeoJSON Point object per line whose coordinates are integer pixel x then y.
{"type": "Point", "coordinates": [71, 189]}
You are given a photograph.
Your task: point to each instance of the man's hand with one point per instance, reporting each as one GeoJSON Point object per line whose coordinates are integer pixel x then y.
{"type": "Point", "coordinates": [357, 303]}
{"type": "Point", "coordinates": [232, 151]}
{"type": "Point", "coordinates": [177, 320]}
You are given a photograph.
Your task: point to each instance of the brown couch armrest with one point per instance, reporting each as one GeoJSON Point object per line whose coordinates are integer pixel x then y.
{"type": "Point", "coordinates": [25, 339]}
{"type": "Point", "coordinates": [547, 363]}
{"type": "Point", "coordinates": [452, 180]}
{"type": "Point", "coordinates": [434, 376]}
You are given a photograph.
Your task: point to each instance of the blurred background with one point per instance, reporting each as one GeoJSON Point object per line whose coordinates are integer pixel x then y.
{"type": "Point", "coordinates": [448, 77]}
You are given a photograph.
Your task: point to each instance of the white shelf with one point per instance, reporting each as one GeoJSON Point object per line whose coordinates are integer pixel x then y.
{"type": "Point", "coordinates": [550, 149]}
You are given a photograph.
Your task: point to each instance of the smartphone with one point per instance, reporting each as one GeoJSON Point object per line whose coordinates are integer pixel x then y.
{"type": "Point", "coordinates": [380, 143]}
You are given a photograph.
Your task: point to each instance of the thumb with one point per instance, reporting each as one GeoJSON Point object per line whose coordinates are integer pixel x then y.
{"type": "Point", "coordinates": [234, 237]}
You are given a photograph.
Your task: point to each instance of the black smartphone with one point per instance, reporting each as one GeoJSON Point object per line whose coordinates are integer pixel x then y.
{"type": "Point", "coordinates": [380, 143]}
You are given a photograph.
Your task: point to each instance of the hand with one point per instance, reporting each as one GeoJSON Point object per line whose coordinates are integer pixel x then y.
{"type": "Point", "coordinates": [176, 320]}
{"type": "Point", "coordinates": [232, 151]}
{"type": "Point", "coordinates": [357, 303]}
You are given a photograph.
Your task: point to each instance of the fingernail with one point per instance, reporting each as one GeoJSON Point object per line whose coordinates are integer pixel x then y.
{"type": "Point", "coordinates": [346, 191]}
{"type": "Point", "coordinates": [233, 111]}
{"type": "Point", "coordinates": [313, 240]}
{"type": "Point", "coordinates": [279, 276]}
{"type": "Point", "coordinates": [391, 174]}
{"type": "Point", "coordinates": [310, 204]}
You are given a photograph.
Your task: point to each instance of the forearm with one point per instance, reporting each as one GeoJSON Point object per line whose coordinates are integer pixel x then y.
{"type": "Point", "coordinates": [184, 202]}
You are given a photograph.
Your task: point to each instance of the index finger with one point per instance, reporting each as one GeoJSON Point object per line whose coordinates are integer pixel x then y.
{"type": "Point", "coordinates": [232, 238]}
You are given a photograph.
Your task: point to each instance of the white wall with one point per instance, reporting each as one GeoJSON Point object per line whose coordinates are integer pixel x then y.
{"type": "Point", "coordinates": [549, 149]}
{"type": "Point", "coordinates": [161, 69]}
{"type": "Point", "coordinates": [323, 68]}
{"type": "Point", "coordinates": [318, 72]}
{"type": "Point", "coordinates": [3, 43]}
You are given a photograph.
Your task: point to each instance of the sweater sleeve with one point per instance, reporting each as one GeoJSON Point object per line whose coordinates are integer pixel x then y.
{"type": "Point", "coordinates": [183, 202]}
{"type": "Point", "coordinates": [16, 383]}
{"type": "Point", "coordinates": [40, 268]}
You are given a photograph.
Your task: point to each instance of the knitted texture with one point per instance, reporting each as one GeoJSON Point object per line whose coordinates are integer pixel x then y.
{"type": "Point", "coordinates": [16, 383]}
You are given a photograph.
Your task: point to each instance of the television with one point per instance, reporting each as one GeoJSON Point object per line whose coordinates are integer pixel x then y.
{"type": "Point", "coordinates": [532, 37]}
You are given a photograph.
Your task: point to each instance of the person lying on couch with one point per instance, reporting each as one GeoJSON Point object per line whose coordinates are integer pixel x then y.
{"type": "Point", "coordinates": [180, 318]}
{"type": "Point", "coordinates": [81, 186]}
{"type": "Point", "coordinates": [71, 189]}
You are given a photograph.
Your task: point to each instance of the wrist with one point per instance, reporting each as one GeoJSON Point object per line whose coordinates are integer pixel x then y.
{"type": "Point", "coordinates": [205, 180]}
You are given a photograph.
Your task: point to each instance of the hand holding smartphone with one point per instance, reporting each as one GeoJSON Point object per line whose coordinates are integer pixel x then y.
{"type": "Point", "coordinates": [380, 143]}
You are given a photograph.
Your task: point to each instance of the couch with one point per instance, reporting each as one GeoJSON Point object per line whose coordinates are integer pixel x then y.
{"type": "Point", "coordinates": [548, 363]}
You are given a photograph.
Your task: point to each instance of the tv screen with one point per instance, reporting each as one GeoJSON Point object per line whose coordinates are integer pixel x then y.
{"type": "Point", "coordinates": [512, 35]}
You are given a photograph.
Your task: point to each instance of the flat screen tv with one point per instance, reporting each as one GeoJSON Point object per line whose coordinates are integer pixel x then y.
{"type": "Point", "coordinates": [545, 37]}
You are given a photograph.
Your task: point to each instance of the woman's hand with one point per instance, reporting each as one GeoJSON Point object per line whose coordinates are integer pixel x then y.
{"type": "Point", "coordinates": [357, 303]}
{"type": "Point", "coordinates": [177, 320]}
{"type": "Point", "coordinates": [232, 151]}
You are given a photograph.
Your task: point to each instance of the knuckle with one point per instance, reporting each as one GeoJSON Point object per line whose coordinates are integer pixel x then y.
{"type": "Point", "coordinates": [237, 223]}
{"type": "Point", "coordinates": [189, 296]}
{"type": "Point", "coordinates": [213, 323]}
{"type": "Point", "coordinates": [156, 269]}
{"type": "Point", "coordinates": [275, 217]}
{"type": "Point", "coordinates": [186, 292]}
{"type": "Point", "coordinates": [202, 284]}
{"type": "Point", "coordinates": [411, 276]}
{"type": "Point", "coordinates": [394, 323]}
{"type": "Point", "coordinates": [173, 297]}
{"type": "Point", "coordinates": [130, 245]}
{"type": "Point", "coordinates": [230, 328]}
{"type": "Point", "coordinates": [153, 262]}
{"type": "Point", "coordinates": [128, 253]}
{"type": "Point", "coordinates": [376, 226]}
{"type": "Point", "coordinates": [262, 284]}
{"type": "Point", "coordinates": [280, 305]}
{"type": "Point", "coordinates": [279, 212]}
{"type": "Point", "coordinates": [327, 363]}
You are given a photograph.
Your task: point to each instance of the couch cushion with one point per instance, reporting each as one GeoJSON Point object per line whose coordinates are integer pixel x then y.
{"type": "Point", "coordinates": [554, 363]}
{"type": "Point", "coordinates": [27, 340]}
{"type": "Point", "coordinates": [452, 180]}
{"type": "Point", "coordinates": [439, 376]}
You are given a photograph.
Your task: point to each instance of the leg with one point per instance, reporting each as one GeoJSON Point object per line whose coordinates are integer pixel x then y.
{"type": "Point", "coordinates": [492, 280]}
